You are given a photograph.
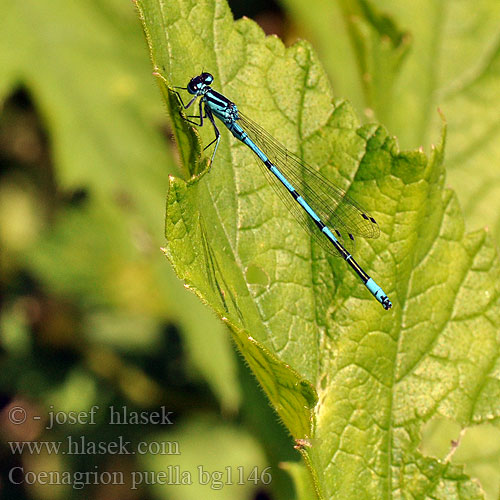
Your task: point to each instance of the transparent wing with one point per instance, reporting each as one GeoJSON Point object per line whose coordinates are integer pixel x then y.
{"type": "Point", "coordinates": [337, 210]}
{"type": "Point", "coordinates": [303, 219]}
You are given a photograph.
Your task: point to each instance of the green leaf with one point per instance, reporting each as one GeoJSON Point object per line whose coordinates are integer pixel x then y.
{"type": "Point", "coordinates": [87, 82]}
{"type": "Point", "coordinates": [362, 48]}
{"type": "Point", "coordinates": [478, 447]}
{"type": "Point", "coordinates": [301, 319]}
{"type": "Point", "coordinates": [460, 44]}
{"type": "Point", "coordinates": [451, 61]}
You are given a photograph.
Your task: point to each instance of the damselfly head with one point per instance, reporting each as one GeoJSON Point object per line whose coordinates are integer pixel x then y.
{"type": "Point", "coordinates": [199, 83]}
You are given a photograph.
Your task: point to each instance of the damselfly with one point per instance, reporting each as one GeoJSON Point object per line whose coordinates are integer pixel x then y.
{"type": "Point", "coordinates": [323, 209]}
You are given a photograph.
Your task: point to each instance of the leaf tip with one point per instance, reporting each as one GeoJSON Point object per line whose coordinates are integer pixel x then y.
{"type": "Point", "coordinates": [441, 114]}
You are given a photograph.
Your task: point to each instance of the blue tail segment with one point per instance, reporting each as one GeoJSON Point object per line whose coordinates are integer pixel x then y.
{"type": "Point", "coordinates": [297, 183]}
{"type": "Point", "coordinates": [378, 293]}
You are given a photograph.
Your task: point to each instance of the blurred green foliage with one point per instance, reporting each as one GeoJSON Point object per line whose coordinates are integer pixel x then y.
{"type": "Point", "coordinates": [92, 314]}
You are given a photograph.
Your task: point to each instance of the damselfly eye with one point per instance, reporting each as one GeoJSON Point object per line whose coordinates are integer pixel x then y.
{"type": "Point", "coordinates": [207, 78]}
{"type": "Point", "coordinates": [194, 85]}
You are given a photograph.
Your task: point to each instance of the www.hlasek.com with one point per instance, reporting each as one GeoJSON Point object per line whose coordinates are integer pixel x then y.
{"type": "Point", "coordinates": [83, 446]}
{"type": "Point", "coordinates": [172, 476]}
